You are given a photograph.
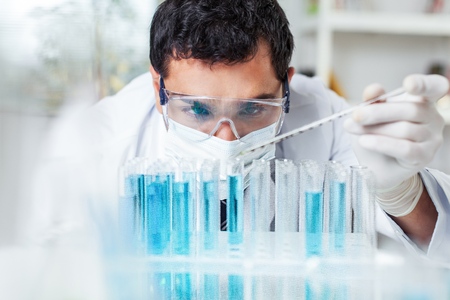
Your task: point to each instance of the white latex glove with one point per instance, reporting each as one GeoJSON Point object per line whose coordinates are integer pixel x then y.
{"type": "Point", "coordinates": [399, 137]}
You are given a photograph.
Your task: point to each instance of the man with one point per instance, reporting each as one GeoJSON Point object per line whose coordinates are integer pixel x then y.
{"type": "Point", "coordinates": [234, 55]}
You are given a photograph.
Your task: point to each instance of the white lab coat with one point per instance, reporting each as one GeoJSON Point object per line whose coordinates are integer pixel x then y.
{"type": "Point", "coordinates": [127, 125]}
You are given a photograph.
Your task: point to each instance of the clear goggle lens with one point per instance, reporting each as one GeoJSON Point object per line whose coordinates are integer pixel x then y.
{"type": "Point", "coordinates": [206, 114]}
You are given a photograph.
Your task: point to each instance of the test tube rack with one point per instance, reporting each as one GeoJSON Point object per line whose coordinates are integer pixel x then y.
{"type": "Point", "coordinates": [295, 229]}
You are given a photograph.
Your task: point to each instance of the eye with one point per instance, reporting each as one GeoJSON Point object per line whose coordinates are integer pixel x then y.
{"type": "Point", "coordinates": [198, 110]}
{"type": "Point", "coordinates": [250, 109]}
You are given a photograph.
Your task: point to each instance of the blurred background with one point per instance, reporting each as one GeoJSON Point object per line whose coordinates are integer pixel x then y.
{"type": "Point", "coordinates": [50, 47]}
{"type": "Point", "coordinates": [47, 49]}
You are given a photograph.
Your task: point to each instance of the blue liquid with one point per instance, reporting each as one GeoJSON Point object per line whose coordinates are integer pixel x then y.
{"type": "Point", "coordinates": [235, 210]}
{"type": "Point", "coordinates": [210, 287]}
{"type": "Point", "coordinates": [181, 218]}
{"type": "Point", "coordinates": [157, 220]}
{"type": "Point", "coordinates": [183, 285]}
{"type": "Point", "coordinates": [235, 287]}
{"type": "Point", "coordinates": [210, 215]}
{"type": "Point", "coordinates": [314, 222]}
{"type": "Point", "coordinates": [337, 215]}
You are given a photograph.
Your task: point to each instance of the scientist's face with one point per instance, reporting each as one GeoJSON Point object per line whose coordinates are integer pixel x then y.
{"type": "Point", "coordinates": [253, 79]}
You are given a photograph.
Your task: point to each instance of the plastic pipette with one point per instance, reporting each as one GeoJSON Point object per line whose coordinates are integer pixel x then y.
{"type": "Point", "coordinates": [320, 122]}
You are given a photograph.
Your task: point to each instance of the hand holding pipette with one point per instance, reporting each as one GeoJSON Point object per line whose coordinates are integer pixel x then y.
{"type": "Point", "coordinates": [397, 139]}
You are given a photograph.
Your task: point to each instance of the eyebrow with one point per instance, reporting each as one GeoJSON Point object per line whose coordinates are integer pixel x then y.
{"type": "Point", "coordinates": [266, 96]}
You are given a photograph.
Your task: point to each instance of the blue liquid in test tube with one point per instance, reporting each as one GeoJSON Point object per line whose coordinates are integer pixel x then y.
{"type": "Point", "coordinates": [337, 215]}
{"type": "Point", "coordinates": [314, 222]}
{"type": "Point", "coordinates": [235, 210]}
{"type": "Point", "coordinates": [181, 218]}
{"type": "Point", "coordinates": [235, 222]}
{"type": "Point", "coordinates": [156, 217]}
{"type": "Point", "coordinates": [210, 214]}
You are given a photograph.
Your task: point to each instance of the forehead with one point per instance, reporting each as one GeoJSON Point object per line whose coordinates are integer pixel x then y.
{"type": "Point", "coordinates": [242, 80]}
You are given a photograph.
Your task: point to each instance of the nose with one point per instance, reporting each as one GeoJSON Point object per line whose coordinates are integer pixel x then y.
{"type": "Point", "coordinates": [225, 132]}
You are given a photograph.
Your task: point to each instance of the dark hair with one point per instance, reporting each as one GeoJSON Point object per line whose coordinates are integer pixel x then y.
{"type": "Point", "coordinates": [219, 31]}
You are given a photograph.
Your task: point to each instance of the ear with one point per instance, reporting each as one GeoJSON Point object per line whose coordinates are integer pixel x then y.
{"type": "Point", "coordinates": [155, 81]}
{"type": "Point", "coordinates": [290, 73]}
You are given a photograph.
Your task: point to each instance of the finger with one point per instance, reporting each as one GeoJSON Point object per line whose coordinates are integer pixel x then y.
{"type": "Point", "coordinates": [372, 91]}
{"type": "Point", "coordinates": [400, 130]}
{"type": "Point", "coordinates": [433, 87]}
{"type": "Point", "coordinates": [407, 152]}
{"type": "Point", "coordinates": [392, 112]}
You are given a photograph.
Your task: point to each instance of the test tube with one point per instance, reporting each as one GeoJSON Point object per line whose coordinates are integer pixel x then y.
{"type": "Point", "coordinates": [184, 187]}
{"type": "Point", "coordinates": [183, 220]}
{"type": "Point", "coordinates": [260, 219]}
{"type": "Point", "coordinates": [363, 205]}
{"type": "Point", "coordinates": [156, 206]}
{"type": "Point", "coordinates": [235, 205]}
{"type": "Point", "coordinates": [156, 222]}
{"type": "Point", "coordinates": [260, 200]}
{"type": "Point", "coordinates": [235, 223]}
{"type": "Point", "coordinates": [312, 177]}
{"type": "Point", "coordinates": [209, 207]}
{"type": "Point", "coordinates": [337, 210]}
{"type": "Point", "coordinates": [128, 191]}
{"type": "Point", "coordinates": [286, 206]}
{"type": "Point", "coordinates": [209, 221]}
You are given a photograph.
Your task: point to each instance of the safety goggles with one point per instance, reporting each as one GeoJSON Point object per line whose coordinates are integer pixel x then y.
{"type": "Point", "coordinates": [207, 114]}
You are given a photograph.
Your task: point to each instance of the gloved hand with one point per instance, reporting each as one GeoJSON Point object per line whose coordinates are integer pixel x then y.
{"type": "Point", "coordinates": [399, 137]}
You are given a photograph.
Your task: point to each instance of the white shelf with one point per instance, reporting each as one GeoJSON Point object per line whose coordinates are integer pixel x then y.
{"type": "Point", "coordinates": [389, 23]}
{"type": "Point", "coordinates": [376, 22]}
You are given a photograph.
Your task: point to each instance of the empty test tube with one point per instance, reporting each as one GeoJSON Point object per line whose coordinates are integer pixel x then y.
{"type": "Point", "coordinates": [260, 203]}
{"type": "Point", "coordinates": [129, 196]}
{"type": "Point", "coordinates": [312, 176]}
{"type": "Point", "coordinates": [286, 205]}
{"type": "Point", "coordinates": [363, 205]}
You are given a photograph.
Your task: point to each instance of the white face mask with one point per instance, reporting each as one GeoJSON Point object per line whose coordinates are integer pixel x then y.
{"type": "Point", "coordinates": [185, 142]}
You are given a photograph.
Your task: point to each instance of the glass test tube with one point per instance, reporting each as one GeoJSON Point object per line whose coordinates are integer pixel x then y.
{"type": "Point", "coordinates": [363, 205]}
{"type": "Point", "coordinates": [209, 207]}
{"type": "Point", "coordinates": [209, 224]}
{"type": "Point", "coordinates": [260, 200]}
{"type": "Point", "coordinates": [183, 204]}
{"type": "Point", "coordinates": [162, 175]}
{"type": "Point", "coordinates": [127, 213]}
{"type": "Point", "coordinates": [286, 205]}
{"type": "Point", "coordinates": [183, 221]}
{"type": "Point", "coordinates": [235, 205]}
{"type": "Point", "coordinates": [337, 209]}
{"type": "Point", "coordinates": [235, 223]}
{"type": "Point", "coordinates": [260, 219]}
{"type": "Point", "coordinates": [155, 210]}
{"type": "Point", "coordinates": [312, 174]}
